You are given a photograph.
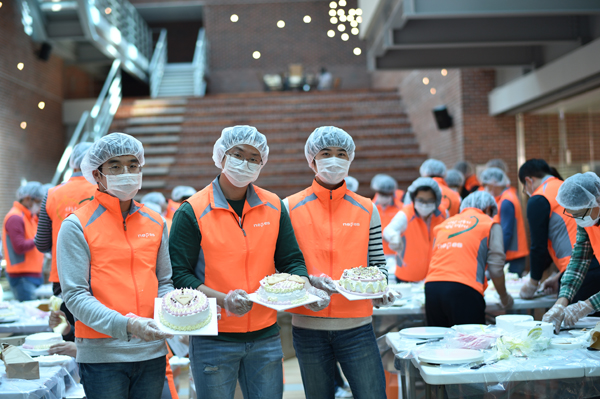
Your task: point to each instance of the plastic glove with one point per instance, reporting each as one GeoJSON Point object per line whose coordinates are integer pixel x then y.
{"type": "Point", "coordinates": [324, 283]}
{"type": "Point", "coordinates": [219, 311]}
{"type": "Point", "coordinates": [507, 301]}
{"type": "Point", "coordinates": [321, 303]}
{"type": "Point", "coordinates": [146, 329]}
{"type": "Point", "coordinates": [550, 286]}
{"type": "Point", "coordinates": [237, 303]}
{"type": "Point", "coordinates": [385, 301]}
{"type": "Point", "coordinates": [528, 289]}
{"type": "Point", "coordinates": [58, 318]}
{"type": "Point", "coordinates": [396, 243]}
{"type": "Point", "coordinates": [555, 315]}
{"type": "Point", "coordinates": [577, 311]}
{"type": "Point", "coordinates": [63, 348]}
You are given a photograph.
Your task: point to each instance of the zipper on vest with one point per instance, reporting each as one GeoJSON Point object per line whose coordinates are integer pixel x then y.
{"type": "Point", "coordinates": [241, 224]}
{"type": "Point", "coordinates": [137, 295]}
{"type": "Point", "coordinates": [330, 244]}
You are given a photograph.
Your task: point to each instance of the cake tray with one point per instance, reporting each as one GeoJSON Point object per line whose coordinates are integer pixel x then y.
{"type": "Point", "coordinates": [255, 298]}
{"type": "Point", "coordinates": [351, 296]}
{"type": "Point", "coordinates": [210, 329]}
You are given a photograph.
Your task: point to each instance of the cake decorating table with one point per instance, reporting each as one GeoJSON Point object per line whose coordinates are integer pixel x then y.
{"type": "Point", "coordinates": [29, 320]}
{"type": "Point", "coordinates": [54, 382]}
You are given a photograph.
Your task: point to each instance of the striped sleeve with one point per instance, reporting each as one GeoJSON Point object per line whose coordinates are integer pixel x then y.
{"type": "Point", "coordinates": [376, 255]}
{"type": "Point", "coordinates": [43, 236]}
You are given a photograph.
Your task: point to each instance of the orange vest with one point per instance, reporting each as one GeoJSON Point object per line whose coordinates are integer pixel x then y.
{"type": "Point", "coordinates": [518, 247]}
{"type": "Point", "coordinates": [471, 182]}
{"type": "Point", "coordinates": [122, 257]}
{"type": "Point", "coordinates": [332, 228]}
{"type": "Point", "coordinates": [562, 230]}
{"type": "Point", "coordinates": [169, 375]}
{"type": "Point", "coordinates": [172, 206]}
{"type": "Point", "coordinates": [387, 214]}
{"type": "Point", "coordinates": [450, 198]}
{"type": "Point", "coordinates": [33, 260]}
{"type": "Point", "coordinates": [413, 263]}
{"type": "Point", "coordinates": [63, 200]}
{"type": "Point", "coordinates": [460, 250]}
{"type": "Point", "coordinates": [236, 253]}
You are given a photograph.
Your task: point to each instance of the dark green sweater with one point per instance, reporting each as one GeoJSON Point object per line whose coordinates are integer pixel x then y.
{"type": "Point", "coordinates": [184, 247]}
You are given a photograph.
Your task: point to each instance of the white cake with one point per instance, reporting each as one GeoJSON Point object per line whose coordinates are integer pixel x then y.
{"type": "Point", "coordinates": [363, 281]}
{"type": "Point", "coordinates": [282, 289]}
{"type": "Point", "coordinates": [42, 341]}
{"type": "Point", "coordinates": [185, 310]}
{"type": "Point", "coordinates": [6, 310]}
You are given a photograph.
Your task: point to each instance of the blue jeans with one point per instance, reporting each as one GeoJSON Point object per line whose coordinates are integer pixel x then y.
{"type": "Point", "coordinates": [217, 365]}
{"type": "Point", "coordinates": [135, 380]}
{"type": "Point", "coordinates": [23, 288]}
{"type": "Point", "coordinates": [357, 352]}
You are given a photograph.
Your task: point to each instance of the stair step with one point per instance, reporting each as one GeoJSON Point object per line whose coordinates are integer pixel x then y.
{"type": "Point", "coordinates": [177, 66]}
{"type": "Point", "coordinates": [155, 120]}
{"type": "Point", "coordinates": [154, 129]}
{"type": "Point", "coordinates": [158, 160]}
{"type": "Point", "coordinates": [153, 184]}
{"type": "Point", "coordinates": [159, 103]}
{"type": "Point", "coordinates": [156, 171]}
{"type": "Point", "coordinates": [160, 150]}
{"type": "Point", "coordinates": [159, 139]}
{"type": "Point", "coordinates": [158, 111]}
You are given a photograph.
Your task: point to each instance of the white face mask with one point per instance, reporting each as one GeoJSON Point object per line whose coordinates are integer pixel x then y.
{"type": "Point", "coordinates": [332, 170]}
{"type": "Point", "coordinates": [35, 208]}
{"type": "Point", "coordinates": [385, 199]}
{"type": "Point", "coordinates": [240, 173]}
{"type": "Point", "coordinates": [124, 186]}
{"type": "Point", "coordinates": [424, 210]}
{"type": "Point", "coordinates": [587, 221]}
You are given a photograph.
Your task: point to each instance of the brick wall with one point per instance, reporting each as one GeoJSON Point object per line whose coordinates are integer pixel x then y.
{"type": "Point", "coordinates": [32, 153]}
{"type": "Point", "coordinates": [233, 69]}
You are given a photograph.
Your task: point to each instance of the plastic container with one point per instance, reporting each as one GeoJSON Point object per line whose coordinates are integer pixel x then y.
{"type": "Point", "coordinates": [507, 322]}
{"type": "Point", "coordinates": [547, 328]}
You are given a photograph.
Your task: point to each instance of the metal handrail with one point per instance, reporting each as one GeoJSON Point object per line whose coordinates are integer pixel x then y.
{"type": "Point", "coordinates": [200, 64]}
{"type": "Point", "coordinates": [158, 62]}
{"type": "Point", "coordinates": [95, 123]}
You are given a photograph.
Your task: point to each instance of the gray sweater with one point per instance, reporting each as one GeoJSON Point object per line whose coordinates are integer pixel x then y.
{"type": "Point", "coordinates": [73, 255]}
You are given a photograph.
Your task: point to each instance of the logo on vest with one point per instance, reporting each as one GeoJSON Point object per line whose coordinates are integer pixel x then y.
{"type": "Point", "coordinates": [146, 235]}
{"type": "Point", "coordinates": [448, 245]}
{"type": "Point", "coordinates": [263, 224]}
{"type": "Point", "coordinates": [350, 224]}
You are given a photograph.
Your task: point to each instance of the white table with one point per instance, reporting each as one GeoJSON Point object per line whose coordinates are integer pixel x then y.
{"type": "Point", "coordinates": [53, 383]}
{"type": "Point", "coordinates": [31, 320]}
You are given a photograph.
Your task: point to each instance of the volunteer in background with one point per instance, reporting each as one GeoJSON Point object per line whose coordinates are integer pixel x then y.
{"type": "Point", "coordinates": [156, 198]}
{"type": "Point", "coordinates": [388, 203]}
{"type": "Point", "coordinates": [410, 233]}
{"type": "Point", "coordinates": [510, 217]}
{"type": "Point", "coordinates": [23, 261]}
{"type": "Point", "coordinates": [580, 196]}
{"type": "Point", "coordinates": [178, 195]}
{"type": "Point", "coordinates": [437, 171]}
{"type": "Point", "coordinates": [113, 261]}
{"type": "Point", "coordinates": [336, 230]}
{"type": "Point", "coordinates": [224, 240]}
{"type": "Point", "coordinates": [471, 183]}
{"type": "Point", "coordinates": [455, 180]}
{"type": "Point", "coordinates": [352, 183]}
{"type": "Point", "coordinates": [465, 246]}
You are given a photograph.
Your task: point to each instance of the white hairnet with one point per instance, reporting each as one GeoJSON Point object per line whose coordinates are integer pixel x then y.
{"type": "Point", "coordinates": [580, 191]}
{"type": "Point", "coordinates": [480, 200]}
{"type": "Point", "coordinates": [77, 155]}
{"type": "Point", "coordinates": [454, 178]}
{"type": "Point", "coordinates": [424, 182]}
{"type": "Point", "coordinates": [433, 168]}
{"type": "Point", "coordinates": [154, 206]}
{"type": "Point", "coordinates": [328, 136]}
{"type": "Point", "coordinates": [497, 163]}
{"type": "Point", "coordinates": [464, 167]}
{"type": "Point", "coordinates": [351, 183]}
{"type": "Point", "coordinates": [383, 183]}
{"type": "Point", "coordinates": [236, 135]}
{"type": "Point", "coordinates": [107, 147]}
{"type": "Point", "coordinates": [180, 192]}
{"type": "Point", "coordinates": [154, 197]}
{"type": "Point", "coordinates": [32, 189]}
{"type": "Point", "coordinates": [494, 177]}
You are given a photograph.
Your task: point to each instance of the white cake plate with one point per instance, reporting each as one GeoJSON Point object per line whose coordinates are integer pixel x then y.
{"type": "Point", "coordinates": [357, 297]}
{"type": "Point", "coordinates": [280, 308]}
{"type": "Point", "coordinates": [53, 360]}
{"type": "Point", "coordinates": [210, 329]}
{"type": "Point", "coordinates": [9, 319]}
{"type": "Point", "coordinates": [424, 332]}
{"type": "Point", "coordinates": [451, 356]}
{"type": "Point", "coordinates": [35, 352]}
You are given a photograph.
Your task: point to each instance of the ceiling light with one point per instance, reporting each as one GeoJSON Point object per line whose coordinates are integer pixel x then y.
{"type": "Point", "coordinates": [351, 11]}
{"type": "Point", "coordinates": [359, 20]}
{"type": "Point", "coordinates": [444, 72]}
{"type": "Point", "coordinates": [256, 55]}
{"type": "Point", "coordinates": [342, 18]}
{"type": "Point", "coordinates": [0, 4]}
{"type": "Point", "coordinates": [56, 7]}
{"type": "Point", "coordinates": [358, 11]}
{"type": "Point", "coordinates": [331, 33]}
{"type": "Point", "coordinates": [353, 24]}
{"type": "Point", "coordinates": [107, 10]}
{"type": "Point", "coordinates": [332, 13]}
{"type": "Point", "coordinates": [333, 4]}
{"type": "Point", "coordinates": [432, 91]}
{"type": "Point", "coordinates": [41, 105]}
{"type": "Point", "coordinates": [307, 19]}
{"type": "Point", "coordinates": [425, 80]}
{"type": "Point", "coordinates": [357, 51]}
{"type": "Point", "coordinates": [350, 17]}
{"type": "Point", "coordinates": [23, 125]}
{"type": "Point", "coordinates": [340, 11]}
{"type": "Point", "coordinates": [342, 3]}
{"type": "Point", "coordinates": [341, 27]}
{"type": "Point", "coordinates": [20, 66]}
{"type": "Point", "coordinates": [280, 24]}
{"type": "Point", "coordinates": [333, 20]}
{"type": "Point", "coordinates": [345, 37]}
{"type": "Point", "coordinates": [354, 31]}
{"type": "Point", "coordinates": [234, 18]}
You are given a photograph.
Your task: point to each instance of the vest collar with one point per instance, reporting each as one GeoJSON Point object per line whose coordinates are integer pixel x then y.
{"type": "Point", "coordinates": [113, 204]}
{"type": "Point", "coordinates": [474, 210]}
{"type": "Point", "coordinates": [440, 181]}
{"type": "Point", "coordinates": [325, 194]}
{"type": "Point", "coordinates": [77, 174]}
{"type": "Point", "coordinates": [218, 200]}
{"type": "Point", "coordinates": [22, 208]}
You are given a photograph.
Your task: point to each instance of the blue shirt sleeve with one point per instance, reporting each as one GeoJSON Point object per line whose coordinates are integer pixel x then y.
{"type": "Point", "coordinates": [507, 221]}
{"type": "Point", "coordinates": [538, 216]}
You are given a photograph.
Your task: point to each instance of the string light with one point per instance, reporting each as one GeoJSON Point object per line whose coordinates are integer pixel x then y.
{"type": "Point", "coordinates": [357, 51]}
{"type": "Point", "coordinates": [234, 18]}
{"type": "Point", "coordinates": [307, 19]}
{"type": "Point", "coordinates": [425, 80]}
{"type": "Point", "coordinates": [331, 33]}
{"type": "Point", "coordinates": [444, 72]}
{"type": "Point", "coordinates": [256, 55]}
{"type": "Point", "coordinates": [41, 105]}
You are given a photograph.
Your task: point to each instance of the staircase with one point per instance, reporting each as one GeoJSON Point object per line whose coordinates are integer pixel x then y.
{"type": "Point", "coordinates": [179, 134]}
{"type": "Point", "coordinates": [177, 80]}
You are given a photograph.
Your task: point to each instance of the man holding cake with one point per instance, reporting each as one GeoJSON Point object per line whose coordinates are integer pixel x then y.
{"type": "Point", "coordinates": [113, 261]}
{"type": "Point", "coordinates": [338, 230]}
{"type": "Point", "coordinates": [224, 240]}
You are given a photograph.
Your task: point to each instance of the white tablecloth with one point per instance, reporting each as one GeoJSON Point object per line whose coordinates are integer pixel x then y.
{"type": "Point", "coordinates": [53, 383]}
{"type": "Point", "coordinates": [30, 320]}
